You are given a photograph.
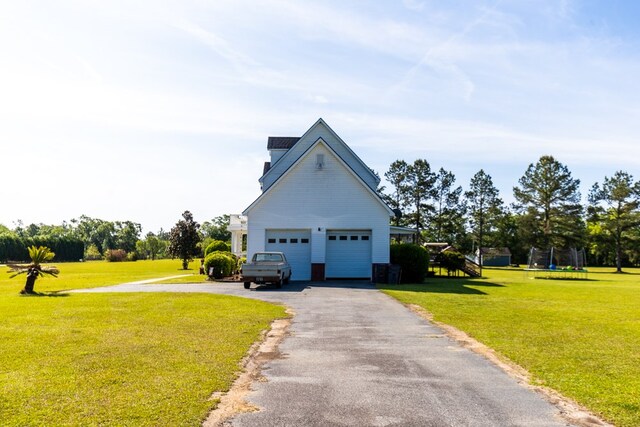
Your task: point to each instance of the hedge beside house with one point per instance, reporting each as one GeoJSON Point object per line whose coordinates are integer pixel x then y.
{"type": "Point", "coordinates": [413, 259]}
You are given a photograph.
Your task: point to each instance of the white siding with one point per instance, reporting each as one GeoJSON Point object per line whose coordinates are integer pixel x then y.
{"type": "Point", "coordinates": [276, 154]}
{"type": "Point", "coordinates": [331, 198]}
{"type": "Point", "coordinates": [320, 131]}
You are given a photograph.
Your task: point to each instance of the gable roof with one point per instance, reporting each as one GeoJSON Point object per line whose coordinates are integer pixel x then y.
{"type": "Point", "coordinates": [281, 142]}
{"type": "Point", "coordinates": [340, 160]}
{"type": "Point", "coordinates": [320, 129]}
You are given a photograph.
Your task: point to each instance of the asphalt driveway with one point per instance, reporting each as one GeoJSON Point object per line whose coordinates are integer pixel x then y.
{"type": "Point", "coordinates": [356, 357]}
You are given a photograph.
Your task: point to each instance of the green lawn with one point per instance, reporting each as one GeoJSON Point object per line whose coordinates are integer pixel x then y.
{"type": "Point", "coordinates": [119, 359]}
{"type": "Point", "coordinates": [581, 338]}
{"type": "Point", "coordinates": [91, 274]}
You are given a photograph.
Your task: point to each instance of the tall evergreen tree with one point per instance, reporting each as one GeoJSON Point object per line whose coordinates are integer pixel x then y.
{"type": "Point", "coordinates": [548, 200]}
{"type": "Point", "coordinates": [184, 239]}
{"type": "Point", "coordinates": [420, 190]}
{"type": "Point", "coordinates": [615, 206]}
{"type": "Point", "coordinates": [447, 222]}
{"type": "Point", "coordinates": [485, 207]}
{"type": "Point", "coordinates": [397, 177]}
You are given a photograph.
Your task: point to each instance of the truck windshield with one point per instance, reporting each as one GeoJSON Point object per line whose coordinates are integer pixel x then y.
{"type": "Point", "coordinates": [269, 257]}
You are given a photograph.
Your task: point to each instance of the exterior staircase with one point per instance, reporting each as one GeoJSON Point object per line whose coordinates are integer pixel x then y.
{"type": "Point", "coordinates": [471, 267]}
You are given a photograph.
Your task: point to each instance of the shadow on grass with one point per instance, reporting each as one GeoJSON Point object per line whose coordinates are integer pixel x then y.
{"type": "Point", "coordinates": [45, 294]}
{"type": "Point", "coordinates": [444, 286]}
{"type": "Point", "coordinates": [613, 271]}
{"type": "Point", "coordinates": [299, 286]}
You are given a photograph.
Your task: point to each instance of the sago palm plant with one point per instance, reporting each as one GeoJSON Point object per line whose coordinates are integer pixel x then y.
{"type": "Point", "coordinates": [39, 255]}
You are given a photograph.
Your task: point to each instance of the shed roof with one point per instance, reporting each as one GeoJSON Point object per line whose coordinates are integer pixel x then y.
{"type": "Point", "coordinates": [281, 142]}
{"type": "Point", "coordinates": [496, 251]}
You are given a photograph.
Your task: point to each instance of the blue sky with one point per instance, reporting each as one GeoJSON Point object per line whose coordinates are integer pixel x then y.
{"type": "Point", "coordinates": [139, 110]}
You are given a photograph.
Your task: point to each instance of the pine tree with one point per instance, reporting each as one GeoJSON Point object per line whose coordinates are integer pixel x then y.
{"type": "Point", "coordinates": [548, 200]}
{"type": "Point", "coordinates": [420, 190]}
{"type": "Point", "coordinates": [397, 177]}
{"type": "Point", "coordinates": [485, 207]}
{"type": "Point", "coordinates": [615, 206]}
{"type": "Point", "coordinates": [447, 222]}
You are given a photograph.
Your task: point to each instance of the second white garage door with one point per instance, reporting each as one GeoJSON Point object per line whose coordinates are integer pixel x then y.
{"type": "Point", "coordinates": [348, 254]}
{"type": "Point", "coordinates": [296, 245]}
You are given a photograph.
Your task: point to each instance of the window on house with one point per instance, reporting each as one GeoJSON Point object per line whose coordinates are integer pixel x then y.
{"type": "Point", "coordinates": [293, 240]}
{"type": "Point", "coordinates": [304, 240]}
{"type": "Point", "coordinates": [365, 237]}
{"type": "Point", "coordinates": [343, 237]}
{"type": "Point", "coordinates": [282, 241]}
{"type": "Point", "coordinates": [271, 240]}
{"type": "Point", "coordinates": [332, 237]}
{"type": "Point", "coordinates": [354, 237]}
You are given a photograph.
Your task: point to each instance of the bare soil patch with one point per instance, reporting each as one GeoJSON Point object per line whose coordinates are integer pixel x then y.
{"type": "Point", "coordinates": [234, 401]}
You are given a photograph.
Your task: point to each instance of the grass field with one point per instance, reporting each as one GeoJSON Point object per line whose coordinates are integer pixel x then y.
{"type": "Point", "coordinates": [581, 338]}
{"type": "Point", "coordinates": [91, 274]}
{"type": "Point", "coordinates": [119, 359]}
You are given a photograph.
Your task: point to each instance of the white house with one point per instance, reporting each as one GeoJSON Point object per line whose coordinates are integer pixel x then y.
{"type": "Point", "coordinates": [320, 207]}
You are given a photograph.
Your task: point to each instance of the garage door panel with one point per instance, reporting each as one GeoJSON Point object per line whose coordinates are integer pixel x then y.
{"type": "Point", "coordinates": [296, 245]}
{"type": "Point", "coordinates": [348, 254]}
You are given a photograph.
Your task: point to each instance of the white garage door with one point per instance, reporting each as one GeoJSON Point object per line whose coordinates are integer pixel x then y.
{"type": "Point", "coordinates": [348, 254]}
{"type": "Point", "coordinates": [296, 245]}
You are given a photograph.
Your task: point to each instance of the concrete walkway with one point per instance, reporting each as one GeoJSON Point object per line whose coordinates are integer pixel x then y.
{"type": "Point", "coordinates": [356, 357]}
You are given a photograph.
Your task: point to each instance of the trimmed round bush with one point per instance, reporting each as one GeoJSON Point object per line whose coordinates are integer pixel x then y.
{"type": "Point", "coordinates": [413, 259]}
{"type": "Point", "coordinates": [452, 261]}
{"type": "Point", "coordinates": [115, 255]}
{"type": "Point", "coordinates": [217, 246]}
{"type": "Point", "coordinates": [223, 264]}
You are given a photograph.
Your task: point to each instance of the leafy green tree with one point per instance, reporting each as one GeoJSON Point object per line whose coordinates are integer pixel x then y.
{"type": "Point", "coordinates": [153, 245]}
{"type": "Point", "coordinates": [126, 235]}
{"type": "Point", "coordinates": [548, 200]}
{"type": "Point", "coordinates": [485, 207]}
{"type": "Point", "coordinates": [452, 261]}
{"type": "Point", "coordinates": [615, 206]}
{"type": "Point", "coordinates": [94, 231]}
{"type": "Point", "coordinates": [506, 234]}
{"type": "Point", "coordinates": [142, 250]}
{"type": "Point", "coordinates": [39, 255]}
{"type": "Point", "coordinates": [217, 228]}
{"type": "Point", "coordinates": [162, 234]}
{"type": "Point", "coordinates": [397, 176]}
{"type": "Point", "coordinates": [599, 243]}
{"type": "Point", "coordinates": [184, 238]}
{"type": "Point", "coordinates": [447, 221]}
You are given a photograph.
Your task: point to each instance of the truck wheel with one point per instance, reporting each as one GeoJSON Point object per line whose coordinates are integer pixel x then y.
{"type": "Point", "coordinates": [286, 281]}
{"type": "Point", "coordinates": [279, 283]}
{"type": "Point", "coordinates": [247, 285]}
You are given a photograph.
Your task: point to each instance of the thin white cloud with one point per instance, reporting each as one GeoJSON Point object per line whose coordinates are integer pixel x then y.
{"type": "Point", "coordinates": [241, 62]}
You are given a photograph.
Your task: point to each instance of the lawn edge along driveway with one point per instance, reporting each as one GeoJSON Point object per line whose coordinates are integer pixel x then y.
{"type": "Point", "coordinates": [571, 410]}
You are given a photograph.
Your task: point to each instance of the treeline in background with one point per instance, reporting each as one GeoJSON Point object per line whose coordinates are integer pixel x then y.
{"type": "Point", "coordinates": [87, 238]}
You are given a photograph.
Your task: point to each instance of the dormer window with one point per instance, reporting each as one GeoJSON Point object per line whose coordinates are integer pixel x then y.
{"type": "Point", "coordinates": [319, 161]}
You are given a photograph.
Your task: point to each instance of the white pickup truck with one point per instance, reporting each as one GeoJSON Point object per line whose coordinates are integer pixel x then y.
{"type": "Point", "coordinates": [266, 267]}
